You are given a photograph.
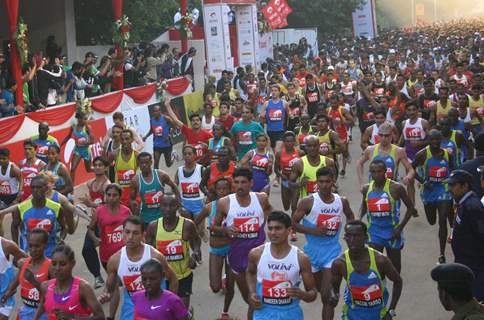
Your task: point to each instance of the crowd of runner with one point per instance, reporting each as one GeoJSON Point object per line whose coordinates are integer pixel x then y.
{"type": "Point", "coordinates": [417, 98]}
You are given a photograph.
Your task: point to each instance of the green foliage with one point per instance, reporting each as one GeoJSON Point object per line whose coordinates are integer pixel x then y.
{"type": "Point", "coordinates": [329, 16]}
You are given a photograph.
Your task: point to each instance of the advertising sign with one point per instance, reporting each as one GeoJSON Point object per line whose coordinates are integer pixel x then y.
{"type": "Point", "coordinates": [364, 20]}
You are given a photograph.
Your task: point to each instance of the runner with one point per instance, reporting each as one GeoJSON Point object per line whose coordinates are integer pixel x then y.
{"type": "Point", "coordinates": [467, 130]}
{"type": "Point", "coordinates": [81, 133]}
{"type": "Point", "coordinates": [364, 107]}
{"type": "Point", "coordinates": [33, 271]}
{"type": "Point", "coordinates": [160, 128]}
{"type": "Point", "coordinates": [7, 275]}
{"type": "Point", "coordinates": [389, 153]}
{"type": "Point", "coordinates": [63, 181]}
{"type": "Point", "coordinates": [195, 136]}
{"type": "Point", "coordinates": [303, 130]}
{"type": "Point", "coordinates": [340, 118]}
{"type": "Point", "coordinates": [11, 183]}
{"type": "Point", "coordinates": [322, 214]}
{"type": "Point", "coordinates": [303, 174]}
{"type": "Point", "coordinates": [153, 302]}
{"type": "Point", "coordinates": [125, 265]}
{"type": "Point", "coordinates": [149, 185]}
{"type": "Point", "coordinates": [175, 236]}
{"type": "Point", "coordinates": [118, 120]}
{"type": "Point", "coordinates": [219, 247]}
{"type": "Point", "coordinates": [113, 145]}
{"type": "Point", "coordinates": [260, 161]}
{"type": "Point", "coordinates": [297, 106]}
{"type": "Point", "coordinates": [275, 271]}
{"type": "Point", "coordinates": [29, 167]}
{"type": "Point", "coordinates": [381, 201]}
{"type": "Point", "coordinates": [329, 140]}
{"type": "Point", "coordinates": [43, 141]}
{"type": "Point", "coordinates": [66, 296]}
{"type": "Point", "coordinates": [208, 119]}
{"type": "Point", "coordinates": [370, 135]}
{"type": "Point", "coordinates": [245, 132]}
{"type": "Point", "coordinates": [364, 270]}
{"type": "Point", "coordinates": [476, 103]}
{"type": "Point", "coordinates": [40, 212]}
{"type": "Point", "coordinates": [313, 95]}
{"type": "Point", "coordinates": [225, 118]}
{"type": "Point", "coordinates": [218, 141]}
{"type": "Point", "coordinates": [437, 164]}
{"type": "Point", "coordinates": [243, 215]}
{"type": "Point", "coordinates": [125, 165]}
{"type": "Point", "coordinates": [453, 141]}
{"type": "Point", "coordinates": [427, 101]}
{"type": "Point", "coordinates": [274, 114]}
{"type": "Point", "coordinates": [92, 200]}
{"type": "Point", "coordinates": [222, 168]}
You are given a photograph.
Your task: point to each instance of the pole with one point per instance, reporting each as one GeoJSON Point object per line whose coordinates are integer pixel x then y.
{"type": "Point", "coordinates": [184, 40]}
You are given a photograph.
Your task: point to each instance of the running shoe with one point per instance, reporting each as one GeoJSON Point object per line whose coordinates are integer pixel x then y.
{"type": "Point", "coordinates": [449, 238]}
{"type": "Point", "coordinates": [224, 316]}
{"type": "Point", "coordinates": [441, 259]}
{"type": "Point", "coordinates": [98, 282]}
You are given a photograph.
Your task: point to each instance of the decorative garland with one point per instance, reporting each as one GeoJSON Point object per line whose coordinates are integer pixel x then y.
{"type": "Point", "coordinates": [184, 25]}
{"type": "Point", "coordinates": [121, 31]}
{"type": "Point", "coordinates": [21, 40]}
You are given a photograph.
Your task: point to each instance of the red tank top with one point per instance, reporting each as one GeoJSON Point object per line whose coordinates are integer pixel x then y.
{"type": "Point", "coordinates": [28, 172]}
{"type": "Point", "coordinates": [96, 196]}
{"type": "Point", "coordinates": [70, 303]}
{"type": "Point", "coordinates": [111, 230]}
{"type": "Point", "coordinates": [338, 122]}
{"type": "Point", "coordinates": [215, 174]}
{"type": "Point", "coordinates": [29, 294]}
{"type": "Point", "coordinates": [287, 160]}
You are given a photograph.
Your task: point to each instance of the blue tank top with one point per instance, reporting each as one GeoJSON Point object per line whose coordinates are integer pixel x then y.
{"type": "Point", "coordinates": [460, 126]}
{"type": "Point", "coordinates": [80, 137]}
{"type": "Point", "coordinates": [59, 182]}
{"type": "Point", "coordinates": [213, 212]}
{"type": "Point", "coordinates": [390, 161]}
{"type": "Point", "coordinates": [44, 218]}
{"type": "Point", "coordinates": [215, 147]}
{"type": "Point", "coordinates": [453, 149]}
{"type": "Point", "coordinates": [382, 210]}
{"type": "Point", "coordinates": [436, 170]}
{"type": "Point", "coordinates": [275, 116]}
{"type": "Point", "coordinates": [151, 194]}
{"type": "Point", "coordinates": [161, 132]}
{"type": "Point", "coordinates": [365, 295]}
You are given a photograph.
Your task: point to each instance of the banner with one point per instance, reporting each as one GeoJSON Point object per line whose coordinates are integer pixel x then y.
{"type": "Point", "coordinates": [247, 35]}
{"type": "Point", "coordinates": [364, 20]}
{"type": "Point", "coordinates": [276, 13]}
{"type": "Point", "coordinates": [265, 47]}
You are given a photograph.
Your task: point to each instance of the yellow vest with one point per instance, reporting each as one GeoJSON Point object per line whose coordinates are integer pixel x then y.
{"type": "Point", "coordinates": [474, 105]}
{"type": "Point", "coordinates": [310, 172]}
{"type": "Point", "coordinates": [125, 170]}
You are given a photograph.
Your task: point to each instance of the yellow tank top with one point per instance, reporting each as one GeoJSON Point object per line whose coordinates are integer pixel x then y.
{"type": "Point", "coordinates": [325, 143]}
{"type": "Point", "coordinates": [474, 105]}
{"type": "Point", "coordinates": [310, 172]}
{"type": "Point", "coordinates": [174, 248]}
{"type": "Point", "coordinates": [442, 111]}
{"type": "Point", "coordinates": [125, 170]}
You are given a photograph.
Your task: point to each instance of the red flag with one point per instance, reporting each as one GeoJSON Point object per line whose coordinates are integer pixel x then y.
{"type": "Point", "coordinates": [276, 13]}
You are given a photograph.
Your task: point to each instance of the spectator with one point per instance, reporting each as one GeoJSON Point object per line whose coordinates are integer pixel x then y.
{"type": "Point", "coordinates": [91, 74]}
{"type": "Point", "coordinates": [152, 64]}
{"type": "Point", "coordinates": [186, 62]}
{"type": "Point", "coordinates": [7, 101]}
{"type": "Point", "coordinates": [49, 80]}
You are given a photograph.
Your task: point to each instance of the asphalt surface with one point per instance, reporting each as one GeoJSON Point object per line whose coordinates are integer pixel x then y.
{"type": "Point", "coordinates": [419, 299]}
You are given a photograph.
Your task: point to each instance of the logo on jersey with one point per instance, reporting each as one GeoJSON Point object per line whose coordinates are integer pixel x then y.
{"type": "Point", "coordinates": [5, 188]}
{"type": "Point", "coordinates": [157, 130]}
{"type": "Point", "coordinates": [248, 227]}
{"type": "Point", "coordinates": [171, 249]}
{"type": "Point", "coordinates": [379, 206]}
{"type": "Point", "coordinates": [275, 291]}
{"type": "Point", "coordinates": [330, 222]}
{"type": "Point", "coordinates": [367, 296]}
{"type": "Point", "coordinates": [190, 189]}
{"type": "Point", "coordinates": [275, 115]}
{"type": "Point", "coordinates": [437, 173]}
{"type": "Point", "coordinates": [413, 133]}
{"type": "Point", "coordinates": [245, 137]}
{"type": "Point", "coordinates": [45, 224]}
{"type": "Point", "coordinates": [152, 199]}
{"type": "Point", "coordinates": [125, 176]}
{"type": "Point", "coordinates": [133, 283]}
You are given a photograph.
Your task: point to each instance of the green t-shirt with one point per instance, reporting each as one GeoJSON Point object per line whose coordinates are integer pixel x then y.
{"type": "Point", "coordinates": [245, 135]}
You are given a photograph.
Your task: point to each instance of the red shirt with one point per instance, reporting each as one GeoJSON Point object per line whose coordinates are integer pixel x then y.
{"type": "Point", "coordinates": [193, 138]}
{"type": "Point", "coordinates": [227, 123]}
{"type": "Point", "coordinates": [111, 230]}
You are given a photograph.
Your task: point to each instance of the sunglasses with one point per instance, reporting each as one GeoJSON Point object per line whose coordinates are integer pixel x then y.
{"type": "Point", "coordinates": [384, 135]}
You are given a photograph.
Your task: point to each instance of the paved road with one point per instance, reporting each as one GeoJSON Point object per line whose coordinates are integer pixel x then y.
{"type": "Point", "coordinates": [419, 298]}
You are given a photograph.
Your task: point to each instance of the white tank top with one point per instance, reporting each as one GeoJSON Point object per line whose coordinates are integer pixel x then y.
{"type": "Point", "coordinates": [413, 132]}
{"type": "Point", "coordinates": [248, 219]}
{"type": "Point", "coordinates": [129, 271]}
{"type": "Point", "coordinates": [207, 125]}
{"type": "Point", "coordinates": [374, 138]}
{"type": "Point", "coordinates": [327, 214]}
{"type": "Point", "coordinates": [276, 275]}
{"type": "Point", "coordinates": [8, 185]}
{"type": "Point", "coordinates": [190, 186]}
{"type": "Point", "coordinates": [467, 118]}
{"type": "Point", "coordinates": [4, 263]}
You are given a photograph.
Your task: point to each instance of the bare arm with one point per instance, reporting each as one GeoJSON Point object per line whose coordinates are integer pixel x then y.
{"type": "Point", "coordinates": [365, 139]}
{"type": "Point", "coordinates": [364, 208]}
{"type": "Point", "coordinates": [244, 162]}
{"type": "Point", "coordinates": [411, 211]}
{"type": "Point", "coordinates": [303, 208]}
{"type": "Point", "coordinates": [310, 293]}
{"type": "Point", "coordinates": [134, 186]}
{"type": "Point", "coordinates": [402, 155]}
{"type": "Point", "coordinates": [165, 179]}
{"type": "Point", "coordinates": [40, 310]}
{"type": "Point", "coordinates": [204, 213]}
{"type": "Point", "coordinates": [391, 273]}
{"type": "Point", "coordinates": [67, 210]}
{"type": "Point", "coordinates": [15, 225]}
{"type": "Point", "coordinates": [112, 278]}
{"type": "Point", "coordinates": [64, 173]}
{"type": "Point", "coordinates": [176, 122]}
{"type": "Point", "coordinates": [336, 278]}
{"type": "Point", "coordinates": [87, 295]}
{"type": "Point", "coordinates": [347, 209]}
{"type": "Point", "coordinates": [359, 164]}
{"type": "Point", "coordinates": [150, 235]}
{"type": "Point", "coordinates": [251, 276]}
{"type": "Point", "coordinates": [91, 227]}
{"type": "Point", "coordinates": [194, 240]}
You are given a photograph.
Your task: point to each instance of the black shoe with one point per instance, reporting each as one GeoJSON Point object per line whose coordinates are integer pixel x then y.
{"type": "Point", "coordinates": [441, 259]}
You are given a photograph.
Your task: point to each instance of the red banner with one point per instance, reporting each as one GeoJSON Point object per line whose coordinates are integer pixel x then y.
{"type": "Point", "coordinates": [107, 103]}
{"type": "Point", "coordinates": [276, 13]}
{"type": "Point", "coordinates": [54, 116]}
{"type": "Point", "coordinates": [142, 94]}
{"type": "Point", "coordinates": [99, 130]}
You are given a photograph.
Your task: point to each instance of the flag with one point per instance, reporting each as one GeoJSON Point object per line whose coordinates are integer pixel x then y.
{"type": "Point", "coordinates": [276, 13]}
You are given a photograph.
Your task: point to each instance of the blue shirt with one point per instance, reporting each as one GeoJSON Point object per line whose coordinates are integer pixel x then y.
{"type": "Point", "coordinates": [161, 132]}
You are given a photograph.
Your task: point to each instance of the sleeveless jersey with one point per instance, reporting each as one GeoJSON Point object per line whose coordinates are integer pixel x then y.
{"type": "Point", "coordinates": [190, 186]}
{"type": "Point", "coordinates": [59, 181]}
{"type": "Point", "coordinates": [390, 160]}
{"type": "Point", "coordinates": [383, 211]}
{"type": "Point", "coordinates": [477, 108]}
{"type": "Point", "coordinates": [313, 97]}
{"type": "Point", "coordinates": [275, 116]}
{"type": "Point", "coordinates": [151, 195]}
{"type": "Point", "coordinates": [111, 230]}
{"type": "Point", "coordinates": [125, 172]}
{"type": "Point", "coordinates": [70, 302]}
{"type": "Point", "coordinates": [161, 132]}
{"type": "Point", "coordinates": [453, 149]}
{"type": "Point", "coordinates": [338, 120]}
{"type": "Point", "coordinates": [442, 111]}
{"type": "Point", "coordinates": [44, 218]}
{"type": "Point", "coordinates": [43, 146]}
{"type": "Point", "coordinates": [365, 295]}
{"type": "Point", "coordinates": [174, 248]}
{"type": "Point", "coordinates": [310, 172]}
{"type": "Point", "coordinates": [80, 137]}
{"type": "Point", "coordinates": [214, 147]}
{"type": "Point", "coordinates": [436, 171]}
{"type": "Point", "coordinates": [8, 185]}
{"type": "Point", "coordinates": [287, 160]}
{"type": "Point", "coordinates": [216, 174]}
{"type": "Point", "coordinates": [28, 293]}
{"type": "Point", "coordinates": [275, 276]}
{"type": "Point", "coordinates": [129, 271]}
{"type": "Point", "coordinates": [413, 132]}
{"type": "Point", "coordinates": [96, 196]}
{"type": "Point", "coordinates": [325, 144]}
{"type": "Point", "coordinates": [28, 172]}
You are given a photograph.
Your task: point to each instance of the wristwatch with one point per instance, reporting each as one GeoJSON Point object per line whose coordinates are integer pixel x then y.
{"type": "Point", "coordinates": [392, 313]}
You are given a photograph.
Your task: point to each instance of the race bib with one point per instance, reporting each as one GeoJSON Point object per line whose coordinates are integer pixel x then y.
{"type": "Point", "coordinates": [200, 150]}
{"type": "Point", "coordinates": [42, 151]}
{"type": "Point", "coordinates": [275, 292]}
{"type": "Point", "coordinates": [190, 189]}
{"type": "Point", "coordinates": [294, 113]}
{"type": "Point", "coordinates": [81, 142]}
{"type": "Point", "coordinates": [5, 188]}
{"type": "Point", "coordinates": [379, 91]}
{"type": "Point", "coordinates": [312, 187]}
{"type": "Point", "coordinates": [324, 148]}
{"type": "Point", "coordinates": [330, 222]}
{"type": "Point", "coordinates": [157, 131]}
{"type": "Point", "coordinates": [413, 134]}
{"type": "Point", "coordinates": [379, 207]}
{"type": "Point", "coordinates": [28, 179]}
{"type": "Point", "coordinates": [171, 249]}
{"type": "Point", "coordinates": [275, 115]}
{"type": "Point", "coordinates": [368, 116]}
{"type": "Point", "coordinates": [133, 283]}
{"type": "Point", "coordinates": [114, 233]}
{"type": "Point", "coordinates": [44, 223]}
{"type": "Point", "coordinates": [248, 227]}
{"type": "Point", "coordinates": [152, 199]}
{"type": "Point", "coordinates": [125, 176]}
{"type": "Point", "coordinates": [437, 173]}
{"type": "Point", "coordinates": [367, 296]}
{"type": "Point", "coordinates": [245, 138]}
{"type": "Point", "coordinates": [30, 296]}
{"type": "Point", "coordinates": [312, 97]}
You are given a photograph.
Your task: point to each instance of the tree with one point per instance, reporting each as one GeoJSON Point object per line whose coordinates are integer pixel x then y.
{"type": "Point", "coordinates": [331, 17]}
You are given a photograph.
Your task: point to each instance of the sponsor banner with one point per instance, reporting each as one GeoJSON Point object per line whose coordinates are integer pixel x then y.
{"type": "Point", "coordinates": [364, 21]}
{"type": "Point", "coordinates": [246, 35]}
{"type": "Point", "coordinates": [217, 46]}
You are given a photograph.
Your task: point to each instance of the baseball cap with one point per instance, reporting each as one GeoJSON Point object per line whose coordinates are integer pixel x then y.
{"type": "Point", "coordinates": [459, 176]}
{"type": "Point", "coordinates": [452, 275]}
